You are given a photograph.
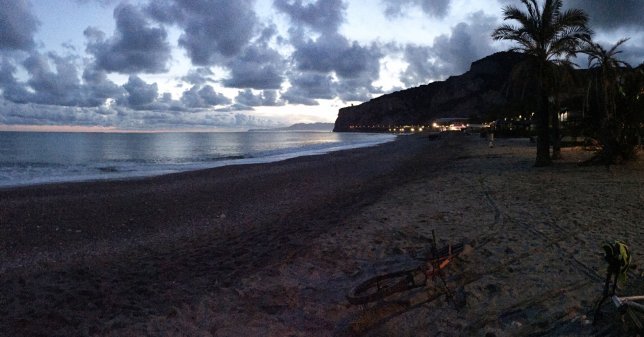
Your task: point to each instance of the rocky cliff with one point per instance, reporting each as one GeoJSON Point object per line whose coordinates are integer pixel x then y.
{"type": "Point", "coordinates": [476, 92]}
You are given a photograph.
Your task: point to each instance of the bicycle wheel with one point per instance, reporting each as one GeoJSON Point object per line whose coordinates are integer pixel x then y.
{"type": "Point", "coordinates": [445, 251]}
{"type": "Point", "coordinates": [382, 286]}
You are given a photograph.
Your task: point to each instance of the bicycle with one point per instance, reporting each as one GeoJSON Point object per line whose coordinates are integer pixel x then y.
{"type": "Point", "coordinates": [629, 305]}
{"type": "Point", "coordinates": [381, 286]}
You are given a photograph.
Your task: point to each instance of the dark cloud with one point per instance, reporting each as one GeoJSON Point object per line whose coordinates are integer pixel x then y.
{"type": "Point", "coordinates": [353, 90]}
{"type": "Point", "coordinates": [98, 88]}
{"type": "Point", "coordinates": [204, 97]}
{"type": "Point", "coordinates": [433, 8]}
{"type": "Point", "coordinates": [321, 15]}
{"type": "Point", "coordinates": [611, 15]}
{"type": "Point", "coordinates": [17, 25]}
{"type": "Point", "coordinates": [54, 80]}
{"type": "Point", "coordinates": [326, 64]}
{"type": "Point", "coordinates": [450, 54]}
{"type": "Point", "coordinates": [124, 118]}
{"type": "Point", "coordinates": [333, 54]}
{"type": "Point", "coordinates": [211, 28]}
{"type": "Point", "coordinates": [263, 98]}
{"type": "Point", "coordinates": [38, 114]}
{"type": "Point", "coordinates": [12, 90]}
{"type": "Point", "coordinates": [418, 71]}
{"type": "Point", "coordinates": [60, 87]}
{"type": "Point", "coordinates": [258, 67]}
{"type": "Point", "coordinates": [140, 93]}
{"type": "Point", "coordinates": [307, 87]}
{"type": "Point", "coordinates": [135, 47]}
{"type": "Point", "coordinates": [103, 3]}
{"type": "Point", "coordinates": [199, 76]}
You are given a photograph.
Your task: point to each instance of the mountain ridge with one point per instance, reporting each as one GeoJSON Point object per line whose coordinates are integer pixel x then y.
{"type": "Point", "coordinates": [473, 93]}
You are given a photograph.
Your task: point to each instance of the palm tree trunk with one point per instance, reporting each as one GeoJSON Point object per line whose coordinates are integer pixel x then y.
{"type": "Point", "coordinates": [543, 134]}
{"type": "Point", "coordinates": [556, 130]}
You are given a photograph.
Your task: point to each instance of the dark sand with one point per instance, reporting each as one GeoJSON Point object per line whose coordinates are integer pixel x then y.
{"type": "Point", "coordinates": [91, 258]}
{"type": "Point", "coordinates": [272, 249]}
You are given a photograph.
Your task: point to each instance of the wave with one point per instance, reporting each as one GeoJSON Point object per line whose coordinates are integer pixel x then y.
{"type": "Point", "coordinates": [176, 154]}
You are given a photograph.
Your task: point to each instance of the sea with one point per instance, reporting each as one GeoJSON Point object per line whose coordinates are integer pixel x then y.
{"type": "Point", "coordinates": [32, 158]}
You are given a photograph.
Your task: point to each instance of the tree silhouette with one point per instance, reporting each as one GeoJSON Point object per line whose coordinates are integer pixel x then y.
{"type": "Point", "coordinates": [606, 79]}
{"type": "Point", "coordinates": [548, 37]}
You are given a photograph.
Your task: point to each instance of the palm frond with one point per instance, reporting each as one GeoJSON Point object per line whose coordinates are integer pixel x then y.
{"type": "Point", "coordinates": [613, 51]}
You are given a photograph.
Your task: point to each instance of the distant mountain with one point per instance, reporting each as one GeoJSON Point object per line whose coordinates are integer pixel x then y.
{"type": "Point", "coordinates": [477, 92]}
{"type": "Point", "coordinates": [301, 127]}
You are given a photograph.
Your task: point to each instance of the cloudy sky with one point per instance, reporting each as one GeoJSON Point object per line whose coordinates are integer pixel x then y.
{"type": "Point", "coordinates": [238, 64]}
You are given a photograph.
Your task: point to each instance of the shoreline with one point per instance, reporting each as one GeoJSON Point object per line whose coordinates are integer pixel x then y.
{"type": "Point", "coordinates": [55, 198]}
{"type": "Point", "coordinates": [112, 173]}
{"type": "Point", "coordinates": [272, 249]}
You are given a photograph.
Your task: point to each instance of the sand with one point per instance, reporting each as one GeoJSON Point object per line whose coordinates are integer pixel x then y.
{"type": "Point", "coordinates": [273, 249]}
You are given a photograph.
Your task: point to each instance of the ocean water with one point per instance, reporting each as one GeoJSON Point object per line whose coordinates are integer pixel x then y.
{"type": "Point", "coordinates": [28, 158]}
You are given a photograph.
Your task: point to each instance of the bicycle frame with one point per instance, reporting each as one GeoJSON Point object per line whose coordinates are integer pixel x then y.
{"type": "Point", "coordinates": [623, 304]}
{"type": "Point", "coordinates": [629, 302]}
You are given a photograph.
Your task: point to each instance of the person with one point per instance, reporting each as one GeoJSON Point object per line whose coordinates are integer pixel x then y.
{"type": "Point", "coordinates": [490, 137]}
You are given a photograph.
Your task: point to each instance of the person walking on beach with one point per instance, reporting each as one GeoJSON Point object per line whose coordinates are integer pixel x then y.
{"type": "Point", "coordinates": [490, 136]}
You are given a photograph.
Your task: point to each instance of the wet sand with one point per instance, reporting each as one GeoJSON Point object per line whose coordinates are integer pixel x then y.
{"type": "Point", "coordinates": [272, 249]}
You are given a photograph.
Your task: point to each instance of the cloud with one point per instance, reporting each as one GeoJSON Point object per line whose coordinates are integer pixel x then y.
{"type": "Point", "coordinates": [199, 76]}
{"type": "Point", "coordinates": [135, 47]}
{"type": "Point", "coordinates": [334, 53]}
{"type": "Point", "coordinates": [17, 25]}
{"type": "Point", "coordinates": [356, 90]}
{"type": "Point", "coordinates": [322, 16]}
{"type": "Point", "coordinates": [211, 29]}
{"type": "Point", "coordinates": [433, 8]}
{"type": "Point", "coordinates": [140, 93]}
{"type": "Point", "coordinates": [611, 15]}
{"type": "Point", "coordinates": [258, 67]}
{"type": "Point", "coordinates": [633, 52]}
{"type": "Point", "coordinates": [54, 80]}
{"type": "Point", "coordinates": [419, 69]}
{"type": "Point", "coordinates": [203, 97]}
{"type": "Point", "coordinates": [263, 98]}
{"type": "Point", "coordinates": [325, 64]}
{"type": "Point", "coordinates": [450, 54]}
{"type": "Point", "coordinates": [306, 87]}
{"type": "Point", "coordinates": [98, 88]}
{"type": "Point", "coordinates": [41, 114]}
{"type": "Point", "coordinates": [124, 118]}
{"type": "Point", "coordinates": [103, 3]}
{"type": "Point", "coordinates": [12, 90]}
{"type": "Point", "coordinates": [60, 87]}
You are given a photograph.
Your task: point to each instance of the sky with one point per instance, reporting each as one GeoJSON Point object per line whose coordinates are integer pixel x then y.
{"type": "Point", "coordinates": [150, 65]}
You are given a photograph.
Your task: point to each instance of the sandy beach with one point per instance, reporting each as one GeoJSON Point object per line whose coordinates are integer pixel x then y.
{"type": "Point", "coordinates": [273, 249]}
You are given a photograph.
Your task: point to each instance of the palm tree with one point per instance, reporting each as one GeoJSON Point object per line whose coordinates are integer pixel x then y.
{"type": "Point", "coordinates": [547, 36]}
{"type": "Point", "coordinates": [608, 66]}
{"type": "Point", "coordinates": [606, 72]}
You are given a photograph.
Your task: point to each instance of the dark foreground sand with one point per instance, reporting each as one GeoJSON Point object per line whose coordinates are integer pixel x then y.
{"type": "Point", "coordinates": [271, 250]}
